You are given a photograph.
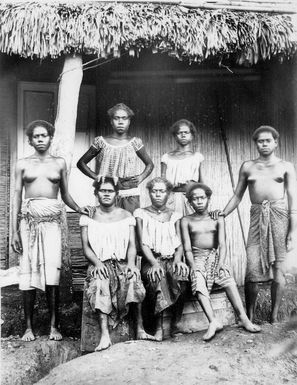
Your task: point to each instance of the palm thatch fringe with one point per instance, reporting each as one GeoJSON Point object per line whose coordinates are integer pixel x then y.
{"type": "Point", "coordinates": [107, 29]}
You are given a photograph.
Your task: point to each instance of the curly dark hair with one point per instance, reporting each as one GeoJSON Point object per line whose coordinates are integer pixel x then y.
{"type": "Point", "coordinates": [158, 179]}
{"type": "Point", "coordinates": [261, 129]}
{"type": "Point", "coordinates": [39, 123]}
{"type": "Point", "coordinates": [120, 106]}
{"type": "Point", "coordinates": [104, 179]}
{"type": "Point", "coordinates": [194, 186]}
{"type": "Point", "coordinates": [176, 126]}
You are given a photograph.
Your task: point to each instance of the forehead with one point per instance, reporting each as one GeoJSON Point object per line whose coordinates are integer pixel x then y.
{"type": "Point", "coordinates": [39, 130]}
{"type": "Point", "coordinates": [198, 192]}
{"type": "Point", "coordinates": [159, 186]}
{"type": "Point", "coordinates": [120, 112]}
{"type": "Point", "coordinates": [107, 186]}
{"type": "Point", "coordinates": [265, 135]}
{"type": "Point", "coordinates": [184, 127]}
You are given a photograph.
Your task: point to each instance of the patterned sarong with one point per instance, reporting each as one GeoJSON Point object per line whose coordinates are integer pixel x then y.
{"type": "Point", "coordinates": [164, 292]}
{"type": "Point", "coordinates": [113, 295]}
{"type": "Point", "coordinates": [266, 246]}
{"type": "Point", "coordinates": [206, 274]}
{"type": "Point", "coordinates": [40, 231]}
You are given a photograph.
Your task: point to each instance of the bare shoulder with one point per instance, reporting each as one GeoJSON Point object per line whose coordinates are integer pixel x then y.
{"type": "Point", "coordinates": [21, 163]}
{"type": "Point", "coordinates": [221, 220]}
{"type": "Point", "coordinates": [247, 165]}
{"type": "Point", "coordinates": [288, 166]}
{"type": "Point", "coordinates": [60, 161]}
{"type": "Point", "coordinates": [122, 213]}
{"type": "Point", "coordinates": [186, 220]}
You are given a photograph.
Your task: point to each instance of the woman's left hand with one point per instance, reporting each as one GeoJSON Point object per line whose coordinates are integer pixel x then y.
{"type": "Point", "coordinates": [180, 268]}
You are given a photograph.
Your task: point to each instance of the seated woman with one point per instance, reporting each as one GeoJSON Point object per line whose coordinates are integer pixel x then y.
{"type": "Point", "coordinates": [162, 269]}
{"type": "Point", "coordinates": [113, 281]}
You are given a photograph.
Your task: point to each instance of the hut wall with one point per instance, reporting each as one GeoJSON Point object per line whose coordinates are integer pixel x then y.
{"type": "Point", "coordinates": [243, 100]}
{"type": "Point", "coordinates": [7, 122]}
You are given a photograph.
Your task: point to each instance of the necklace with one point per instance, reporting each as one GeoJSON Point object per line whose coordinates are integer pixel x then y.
{"type": "Point", "coordinates": [157, 211]}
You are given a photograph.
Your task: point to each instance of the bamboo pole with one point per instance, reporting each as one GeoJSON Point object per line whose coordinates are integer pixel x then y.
{"type": "Point", "coordinates": [226, 147]}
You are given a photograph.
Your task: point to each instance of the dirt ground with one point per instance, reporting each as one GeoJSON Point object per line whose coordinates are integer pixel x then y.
{"type": "Point", "coordinates": [232, 357]}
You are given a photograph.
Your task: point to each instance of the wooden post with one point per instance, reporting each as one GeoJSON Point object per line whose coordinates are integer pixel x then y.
{"type": "Point", "coordinates": [65, 123]}
{"type": "Point", "coordinates": [63, 142]}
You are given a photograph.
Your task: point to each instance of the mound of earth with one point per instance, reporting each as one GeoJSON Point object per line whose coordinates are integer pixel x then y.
{"type": "Point", "coordinates": [234, 356]}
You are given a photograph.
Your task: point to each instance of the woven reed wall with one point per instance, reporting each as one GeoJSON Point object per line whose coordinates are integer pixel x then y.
{"type": "Point", "coordinates": [7, 119]}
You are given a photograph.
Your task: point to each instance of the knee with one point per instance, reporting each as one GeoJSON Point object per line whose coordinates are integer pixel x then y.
{"type": "Point", "coordinates": [279, 276]}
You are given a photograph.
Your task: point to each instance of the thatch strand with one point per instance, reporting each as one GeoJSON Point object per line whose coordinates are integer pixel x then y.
{"type": "Point", "coordinates": [106, 29]}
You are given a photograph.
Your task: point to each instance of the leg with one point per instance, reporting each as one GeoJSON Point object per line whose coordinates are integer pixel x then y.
{"type": "Point", "coordinates": [140, 332]}
{"type": "Point", "coordinates": [214, 325]}
{"type": "Point", "coordinates": [251, 292]}
{"type": "Point", "coordinates": [52, 296]}
{"type": "Point", "coordinates": [277, 291]}
{"type": "Point", "coordinates": [105, 338]}
{"type": "Point", "coordinates": [159, 327]}
{"type": "Point", "coordinates": [177, 312]}
{"type": "Point", "coordinates": [235, 299]}
{"type": "Point", "coordinates": [29, 300]}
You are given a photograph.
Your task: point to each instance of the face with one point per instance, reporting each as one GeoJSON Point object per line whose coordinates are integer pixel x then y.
{"type": "Point", "coordinates": [120, 121]}
{"type": "Point", "coordinates": [266, 144]}
{"type": "Point", "coordinates": [159, 194]}
{"type": "Point", "coordinates": [40, 140]}
{"type": "Point", "coordinates": [199, 200]}
{"type": "Point", "coordinates": [184, 136]}
{"type": "Point", "coordinates": [106, 194]}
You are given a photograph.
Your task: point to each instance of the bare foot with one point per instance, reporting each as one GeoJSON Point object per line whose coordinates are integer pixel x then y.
{"type": "Point", "coordinates": [159, 335]}
{"type": "Point", "coordinates": [55, 334]}
{"type": "Point", "coordinates": [28, 335]}
{"type": "Point", "coordinates": [213, 327]}
{"type": "Point", "coordinates": [273, 319]}
{"type": "Point", "coordinates": [179, 329]}
{"type": "Point", "coordinates": [249, 326]}
{"type": "Point", "coordinates": [104, 343]}
{"type": "Point", "coordinates": [142, 335]}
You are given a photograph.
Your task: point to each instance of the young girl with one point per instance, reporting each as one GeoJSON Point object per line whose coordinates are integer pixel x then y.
{"type": "Point", "coordinates": [205, 249]}
{"type": "Point", "coordinates": [117, 157]}
{"type": "Point", "coordinates": [182, 165]}
{"type": "Point", "coordinates": [159, 235]}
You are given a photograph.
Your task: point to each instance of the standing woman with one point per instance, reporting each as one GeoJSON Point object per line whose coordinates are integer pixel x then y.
{"type": "Point", "coordinates": [158, 230]}
{"type": "Point", "coordinates": [182, 165]}
{"type": "Point", "coordinates": [116, 156]}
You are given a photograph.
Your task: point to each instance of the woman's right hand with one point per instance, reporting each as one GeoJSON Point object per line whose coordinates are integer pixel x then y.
{"type": "Point", "coordinates": [215, 214]}
{"type": "Point", "coordinates": [16, 243]}
{"type": "Point", "coordinates": [155, 273]}
{"type": "Point", "coordinates": [101, 270]}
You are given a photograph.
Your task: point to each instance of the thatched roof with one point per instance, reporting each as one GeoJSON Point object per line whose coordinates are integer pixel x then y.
{"type": "Point", "coordinates": [108, 29]}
